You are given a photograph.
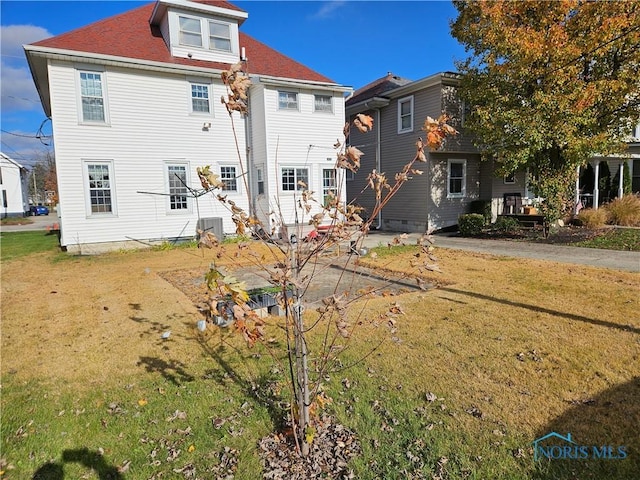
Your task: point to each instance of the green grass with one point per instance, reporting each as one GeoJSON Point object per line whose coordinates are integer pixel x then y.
{"type": "Point", "coordinates": [19, 244]}
{"type": "Point", "coordinates": [512, 349]}
{"type": "Point", "coordinates": [614, 239]}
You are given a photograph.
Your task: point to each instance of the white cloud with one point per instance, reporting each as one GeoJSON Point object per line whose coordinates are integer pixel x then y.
{"type": "Point", "coordinates": [12, 37]}
{"type": "Point", "coordinates": [17, 88]}
{"type": "Point", "coordinates": [327, 9]}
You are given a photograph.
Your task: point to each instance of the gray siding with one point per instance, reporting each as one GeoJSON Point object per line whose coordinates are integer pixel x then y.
{"type": "Point", "coordinates": [423, 198]}
{"type": "Point", "coordinates": [443, 211]}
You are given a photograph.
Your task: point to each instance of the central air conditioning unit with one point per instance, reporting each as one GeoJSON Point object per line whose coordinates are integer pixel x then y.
{"type": "Point", "coordinates": [213, 225]}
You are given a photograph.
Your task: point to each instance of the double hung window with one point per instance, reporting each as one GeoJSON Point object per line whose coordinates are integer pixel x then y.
{"type": "Point", "coordinates": [456, 178]}
{"type": "Point", "coordinates": [228, 177]}
{"type": "Point", "coordinates": [287, 101]}
{"type": "Point", "coordinates": [92, 97]}
{"type": "Point", "coordinates": [177, 180]}
{"type": "Point", "coordinates": [99, 188]}
{"type": "Point", "coordinates": [295, 179]}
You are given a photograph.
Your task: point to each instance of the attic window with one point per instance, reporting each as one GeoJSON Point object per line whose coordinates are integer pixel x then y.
{"type": "Point", "coordinates": [219, 36]}
{"type": "Point", "coordinates": [190, 33]}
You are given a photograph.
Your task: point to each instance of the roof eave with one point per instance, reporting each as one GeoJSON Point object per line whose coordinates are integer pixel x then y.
{"type": "Point", "coordinates": [372, 103]}
{"type": "Point", "coordinates": [38, 66]}
{"type": "Point", "coordinates": [442, 78]}
{"type": "Point", "coordinates": [292, 82]}
{"type": "Point", "coordinates": [114, 60]}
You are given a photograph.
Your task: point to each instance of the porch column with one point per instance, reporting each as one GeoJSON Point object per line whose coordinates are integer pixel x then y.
{"type": "Point", "coordinates": [596, 189]}
{"type": "Point", "coordinates": [621, 182]}
{"type": "Point", "coordinates": [577, 199]}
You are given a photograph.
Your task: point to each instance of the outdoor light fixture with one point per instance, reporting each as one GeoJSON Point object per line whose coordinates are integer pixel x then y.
{"type": "Point", "coordinates": [206, 126]}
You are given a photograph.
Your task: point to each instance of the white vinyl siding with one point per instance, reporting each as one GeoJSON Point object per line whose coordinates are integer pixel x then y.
{"type": "Point", "coordinates": [323, 103]}
{"type": "Point", "coordinates": [287, 101]}
{"type": "Point", "coordinates": [140, 144]}
{"type": "Point", "coordinates": [456, 178]}
{"type": "Point", "coordinates": [99, 187]}
{"type": "Point", "coordinates": [178, 192]}
{"type": "Point", "coordinates": [219, 36]}
{"type": "Point", "coordinates": [405, 115]}
{"type": "Point", "coordinates": [190, 31]}
{"type": "Point", "coordinates": [294, 178]}
{"type": "Point", "coordinates": [229, 178]}
{"type": "Point", "coordinates": [200, 98]}
{"type": "Point", "coordinates": [92, 97]}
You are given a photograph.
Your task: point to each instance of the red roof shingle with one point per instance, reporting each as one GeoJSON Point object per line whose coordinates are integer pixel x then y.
{"type": "Point", "coordinates": [129, 35]}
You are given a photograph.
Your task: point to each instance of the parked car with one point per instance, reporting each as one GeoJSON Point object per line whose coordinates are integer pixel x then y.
{"type": "Point", "coordinates": [36, 210]}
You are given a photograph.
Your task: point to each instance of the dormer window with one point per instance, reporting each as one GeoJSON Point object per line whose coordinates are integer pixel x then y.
{"type": "Point", "coordinates": [219, 36]}
{"type": "Point", "coordinates": [206, 31]}
{"type": "Point", "coordinates": [190, 33]}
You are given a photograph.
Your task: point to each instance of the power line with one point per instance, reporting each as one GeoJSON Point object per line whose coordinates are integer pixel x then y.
{"type": "Point", "coordinates": [36, 136]}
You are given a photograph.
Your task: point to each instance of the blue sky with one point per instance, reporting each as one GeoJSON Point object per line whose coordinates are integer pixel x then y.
{"type": "Point", "coordinates": [351, 42]}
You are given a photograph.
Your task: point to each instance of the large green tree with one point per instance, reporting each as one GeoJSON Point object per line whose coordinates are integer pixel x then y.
{"type": "Point", "coordinates": [550, 83]}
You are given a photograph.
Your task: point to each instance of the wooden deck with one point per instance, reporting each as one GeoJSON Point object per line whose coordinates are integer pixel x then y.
{"type": "Point", "coordinates": [527, 221]}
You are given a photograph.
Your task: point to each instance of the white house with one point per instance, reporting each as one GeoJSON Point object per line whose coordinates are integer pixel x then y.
{"type": "Point", "coordinates": [135, 105]}
{"type": "Point", "coordinates": [14, 188]}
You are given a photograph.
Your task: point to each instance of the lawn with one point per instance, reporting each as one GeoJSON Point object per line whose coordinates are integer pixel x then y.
{"type": "Point", "coordinates": [502, 352]}
{"type": "Point", "coordinates": [18, 244]}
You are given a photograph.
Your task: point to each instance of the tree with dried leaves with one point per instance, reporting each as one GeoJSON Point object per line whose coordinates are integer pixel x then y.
{"type": "Point", "coordinates": [550, 84]}
{"type": "Point", "coordinates": [292, 263]}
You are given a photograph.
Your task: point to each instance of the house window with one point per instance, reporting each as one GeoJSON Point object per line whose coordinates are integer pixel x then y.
{"type": "Point", "coordinates": [228, 177]}
{"type": "Point", "coordinates": [4, 199]}
{"type": "Point", "coordinates": [190, 32]}
{"type": "Point", "coordinates": [323, 103]}
{"type": "Point", "coordinates": [177, 187]}
{"type": "Point", "coordinates": [456, 178]}
{"type": "Point", "coordinates": [635, 176]}
{"type": "Point", "coordinates": [219, 36]}
{"type": "Point", "coordinates": [329, 186]}
{"type": "Point", "coordinates": [260, 180]}
{"type": "Point", "coordinates": [510, 179]}
{"type": "Point", "coordinates": [287, 101]}
{"type": "Point", "coordinates": [405, 115]}
{"type": "Point", "coordinates": [100, 188]}
{"type": "Point", "coordinates": [200, 98]}
{"type": "Point", "coordinates": [92, 96]}
{"type": "Point", "coordinates": [295, 179]}
{"type": "Point", "coordinates": [350, 175]}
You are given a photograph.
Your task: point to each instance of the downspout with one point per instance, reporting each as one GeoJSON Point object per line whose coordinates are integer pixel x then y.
{"type": "Point", "coordinates": [378, 162]}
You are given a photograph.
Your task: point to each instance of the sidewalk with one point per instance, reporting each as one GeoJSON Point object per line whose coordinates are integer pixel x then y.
{"type": "Point", "coordinates": [614, 259]}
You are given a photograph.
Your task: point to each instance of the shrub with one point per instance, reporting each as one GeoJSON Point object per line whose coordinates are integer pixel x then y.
{"type": "Point", "coordinates": [592, 218]}
{"type": "Point", "coordinates": [482, 207]}
{"type": "Point", "coordinates": [624, 211]}
{"type": "Point", "coordinates": [506, 225]}
{"type": "Point", "coordinates": [470, 224]}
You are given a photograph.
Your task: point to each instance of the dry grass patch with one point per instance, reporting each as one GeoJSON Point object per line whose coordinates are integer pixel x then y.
{"type": "Point", "coordinates": [523, 339]}
{"type": "Point", "coordinates": [514, 348]}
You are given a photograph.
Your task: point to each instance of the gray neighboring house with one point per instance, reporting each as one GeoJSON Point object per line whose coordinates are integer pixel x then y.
{"type": "Point", "coordinates": [454, 176]}
{"type": "Point", "coordinates": [14, 188]}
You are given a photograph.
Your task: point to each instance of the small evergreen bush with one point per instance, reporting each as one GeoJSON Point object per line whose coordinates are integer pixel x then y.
{"type": "Point", "coordinates": [624, 211]}
{"type": "Point", "coordinates": [506, 225]}
{"type": "Point", "coordinates": [592, 218]}
{"type": "Point", "coordinates": [482, 207]}
{"type": "Point", "coordinates": [470, 224]}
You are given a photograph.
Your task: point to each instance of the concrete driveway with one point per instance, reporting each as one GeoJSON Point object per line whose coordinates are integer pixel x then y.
{"type": "Point", "coordinates": [41, 222]}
